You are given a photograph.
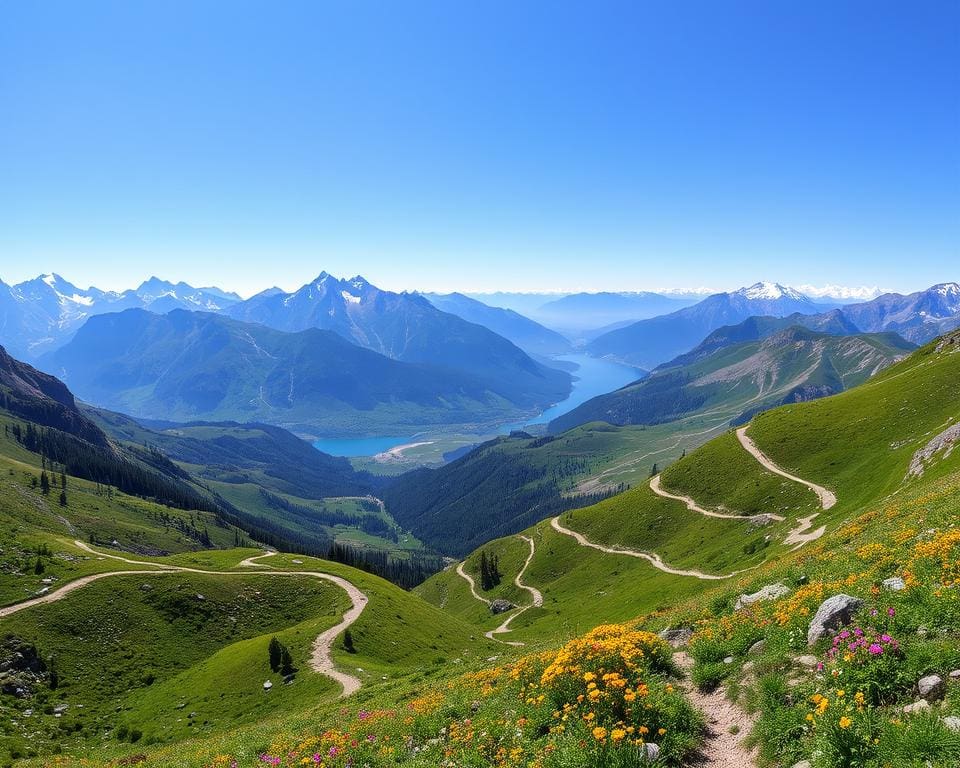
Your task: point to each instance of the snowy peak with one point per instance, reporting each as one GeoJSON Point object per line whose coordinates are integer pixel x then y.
{"type": "Point", "coordinates": [766, 291]}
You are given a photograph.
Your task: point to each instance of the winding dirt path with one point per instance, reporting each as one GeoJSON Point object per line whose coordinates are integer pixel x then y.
{"type": "Point", "coordinates": [827, 498]}
{"type": "Point", "coordinates": [320, 660]}
{"type": "Point", "coordinates": [721, 748]}
{"type": "Point", "coordinates": [473, 585]}
{"type": "Point", "coordinates": [651, 557]}
{"type": "Point", "coordinates": [535, 594]}
{"type": "Point", "coordinates": [250, 562]}
{"type": "Point", "coordinates": [694, 507]}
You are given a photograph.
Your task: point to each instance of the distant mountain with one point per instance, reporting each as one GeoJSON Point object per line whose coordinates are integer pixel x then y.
{"type": "Point", "coordinates": [185, 366]}
{"type": "Point", "coordinates": [648, 343]}
{"type": "Point", "coordinates": [39, 315]}
{"type": "Point", "coordinates": [402, 326]}
{"type": "Point", "coordinates": [530, 336]}
{"type": "Point", "coordinates": [918, 317]}
{"type": "Point", "coordinates": [585, 311]}
{"type": "Point", "coordinates": [735, 379]}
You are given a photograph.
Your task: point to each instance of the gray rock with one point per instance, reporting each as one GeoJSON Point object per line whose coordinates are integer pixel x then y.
{"type": "Point", "coordinates": [728, 660]}
{"type": "Point", "coordinates": [833, 612]}
{"type": "Point", "coordinates": [677, 637]}
{"type": "Point", "coordinates": [955, 674]}
{"type": "Point", "coordinates": [808, 661]}
{"type": "Point", "coordinates": [932, 687]}
{"type": "Point", "coordinates": [267, 685]}
{"type": "Point", "coordinates": [769, 592]}
{"type": "Point", "coordinates": [652, 751]}
{"type": "Point", "coordinates": [917, 706]}
{"type": "Point", "coordinates": [501, 606]}
{"type": "Point", "coordinates": [802, 764]}
{"type": "Point", "coordinates": [894, 584]}
{"type": "Point", "coordinates": [747, 667]}
{"type": "Point", "coordinates": [952, 723]}
{"type": "Point", "coordinates": [757, 648]}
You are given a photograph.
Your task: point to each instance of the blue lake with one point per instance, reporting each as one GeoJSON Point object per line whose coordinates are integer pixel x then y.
{"type": "Point", "coordinates": [593, 377]}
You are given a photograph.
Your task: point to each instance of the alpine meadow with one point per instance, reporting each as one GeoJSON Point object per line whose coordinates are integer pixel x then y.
{"type": "Point", "coordinates": [444, 385]}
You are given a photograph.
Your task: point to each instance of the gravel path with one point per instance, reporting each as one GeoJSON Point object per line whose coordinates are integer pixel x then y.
{"type": "Point", "coordinates": [652, 557]}
{"type": "Point", "coordinates": [694, 507]}
{"type": "Point", "coordinates": [827, 497]}
{"type": "Point", "coordinates": [320, 659]}
{"type": "Point", "coordinates": [721, 748]}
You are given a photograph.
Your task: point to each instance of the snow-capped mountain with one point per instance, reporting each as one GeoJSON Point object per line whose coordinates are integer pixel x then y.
{"type": "Point", "coordinates": [648, 343]}
{"type": "Point", "coordinates": [41, 314]}
{"type": "Point", "coordinates": [403, 326]}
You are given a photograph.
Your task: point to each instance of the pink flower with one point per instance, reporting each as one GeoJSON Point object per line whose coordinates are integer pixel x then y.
{"type": "Point", "coordinates": [875, 649]}
{"type": "Point", "coordinates": [890, 612]}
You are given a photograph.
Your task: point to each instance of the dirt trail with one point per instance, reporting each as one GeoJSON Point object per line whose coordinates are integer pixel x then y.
{"type": "Point", "coordinates": [250, 562]}
{"type": "Point", "coordinates": [721, 748]}
{"type": "Point", "coordinates": [694, 507]}
{"type": "Point", "coordinates": [472, 583]}
{"type": "Point", "coordinates": [535, 594]}
{"type": "Point", "coordinates": [320, 659]}
{"type": "Point", "coordinates": [652, 557]}
{"type": "Point", "coordinates": [799, 536]}
{"type": "Point", "coordinates": [827, 497]}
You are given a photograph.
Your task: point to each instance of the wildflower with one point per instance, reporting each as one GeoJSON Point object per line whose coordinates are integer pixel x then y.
{"type": "Point", "coordinates": [599, 733]}
{"type": "Point", "coordinates": [845, 722]}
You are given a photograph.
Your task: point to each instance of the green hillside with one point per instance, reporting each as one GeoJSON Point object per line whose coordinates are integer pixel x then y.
{"type": "Point", "coordinates": [673, 554]}
{"type": "Point", "coordinates": [742, 378]}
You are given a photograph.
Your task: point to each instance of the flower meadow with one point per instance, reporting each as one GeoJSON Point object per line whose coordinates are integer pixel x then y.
{"type": "Point", "coordinates": [608, 698]}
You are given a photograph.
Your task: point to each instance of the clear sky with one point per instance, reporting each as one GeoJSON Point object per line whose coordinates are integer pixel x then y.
{"type": "Point", "coordinates": [481, 145]}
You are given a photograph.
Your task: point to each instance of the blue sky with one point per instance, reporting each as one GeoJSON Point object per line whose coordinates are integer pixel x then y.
{"type": "Point", "coordinates": [482, 145]}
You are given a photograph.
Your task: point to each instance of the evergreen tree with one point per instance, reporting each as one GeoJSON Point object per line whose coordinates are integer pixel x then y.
{"type": "Point", "coordinates": [63, 498]}
{"type": "Point", "coordinates": [286, 662]}
{"type": "Point", "coordinates": [39, 567]}
{"type": "Point", "coordinates": [654, 470]}
{"type": "Point", "coordinates": [348, 642]}
{"type": "Point", "coordinates": [275, 649]}
{"type": "Point", "coordinates": [44, 483]}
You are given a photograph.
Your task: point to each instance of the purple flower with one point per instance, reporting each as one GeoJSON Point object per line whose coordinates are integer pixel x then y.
{"type": "Point", "coordinates": [890, 612]}
{"type": "Point", "coordinates": [875, 649]}
{"type": "Point", "coordinates": [886, 638]}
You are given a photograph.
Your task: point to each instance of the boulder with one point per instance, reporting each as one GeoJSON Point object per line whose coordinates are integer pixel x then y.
{"type": "Point", "coordinates": [917, 706]}
{"type": "Point", "coordinates": [808, 661]}
{"type": "Point", "coordinates": [652, 751]}
{"type": "Point", "coordinates": [769, 592]}
{"type": "Point", "coordinates": [931, 687]}
{"type": "Point", "coordinates": [802, 764]}
{"type": "Point", "coordinates": [501, 606]}
{"type": "Point", "coordinates": [955, 674]}
{"type": "Point", "coordinates": [728, 660]}
{"type": "Point", "coordinates": [833, 612]}
{"type": "Point", "coordinates": [757, 648]}
{"type": "Point", "coordinates": [952, 723]}
{"type": "Point", "coordinates": [267, 685]}
{"type": "Point", "coordinates": [894, 584]}
{"type": "Point", "coordinates": [677, 637]}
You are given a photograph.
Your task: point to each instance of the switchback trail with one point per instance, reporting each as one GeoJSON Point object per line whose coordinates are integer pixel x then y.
{"type": "Point", "coordinates": [251, 562]}
{"type": "Point", "coordinates": [320, 659]}
{"type": "Point", "coordinates": [652, 557]}
{"type": "Point", "coordinates": [721, 748]}
{"type": "Point", "coordinates": [827, 498]}
{"type": "Point", "coordinates": [535, 595]}
{"type": "Point", "coordinates": [694, 507]}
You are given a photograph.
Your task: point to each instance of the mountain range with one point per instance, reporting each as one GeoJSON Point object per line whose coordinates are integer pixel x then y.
{"type": "Point", "coordinates": [197, 365]}
{"type": "Point", "coordinates": [742, 376]}
{"type": "Point", "coordinates": [530, 336]}
{"type": "Point", "coordinates": [39, 315]}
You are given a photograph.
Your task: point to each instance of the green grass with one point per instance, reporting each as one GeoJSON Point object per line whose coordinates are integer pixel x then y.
{"type": "Point", "coordinates": [722, 475]}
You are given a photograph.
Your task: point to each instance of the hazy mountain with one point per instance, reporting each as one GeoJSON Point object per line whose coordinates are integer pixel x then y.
{"type": "Point", "coordinates": [402, 326]}
{"type": "Point", "coordinates": [527, 334]}
{"type": "Point", "coordinates": [193, 365]}
{"type": "Point", "coordinates": [648, 343]}
{"type": "Point", "coordinates": [584, 311]}
{"type": "Point", "coordinates": [741, 378]}
{"type": "Point", "coordinates": [918, 317]}
{"type": "Point", "coordinates": [39, 315]}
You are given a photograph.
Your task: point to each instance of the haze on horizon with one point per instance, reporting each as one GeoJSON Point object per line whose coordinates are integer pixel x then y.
{"type": "Point", "coordinates": [442, 147]}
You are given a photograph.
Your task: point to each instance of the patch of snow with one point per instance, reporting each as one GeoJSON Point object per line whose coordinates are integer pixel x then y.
{"type": "Point", "coordinates": [842, 292]}
{"type": "Point", "coordinates": [767, 291]}
{"type": "Point", "coordinates": [349, 297]}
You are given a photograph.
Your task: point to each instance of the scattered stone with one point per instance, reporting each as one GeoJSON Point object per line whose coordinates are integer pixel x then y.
{"type": "Point", "coordinates": [475, 706]}
{"type": "Point", "coordinates": [747, 667]}
{"type": "Point", "coordinates": [728, 660]}
{"type": "Point", "coordinates": [952, 723]}
{"type": "Point", "coordinates": [769, 592]}
{"type": "Point", "coordinates": [833, 612]}
{"type": "Point", "coordinates": [894, 584]}
{"type": "Point", "coordinates": [922, 631]}
{"type": "Point", "coordinates": [955, 674]}
{"type": "Point", "coordinates": [802, 764]}
{"type": "Point", "coordinates": [678, 637]}
{"type": "Point", "coordinates": [932, 687]}
{"type": "Point", "coordinates": [146, 587]}
{"type": "Point", "coordinates": [501, 606]}
{"type": "Point", "coordinates": [757, 648]}
{"type": "Point", "coordinates": [200, 597]}
{"type": "Point", "coordinates": [652, 751]}
{"type": "Point", "coordinates": [267, 685]}
{"type": "Point", "coordinates": [808, 661]}
{"type": "Point", "coordinates": [917, 706]}
{"type": "Point", "coordinates": [297, 562]}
